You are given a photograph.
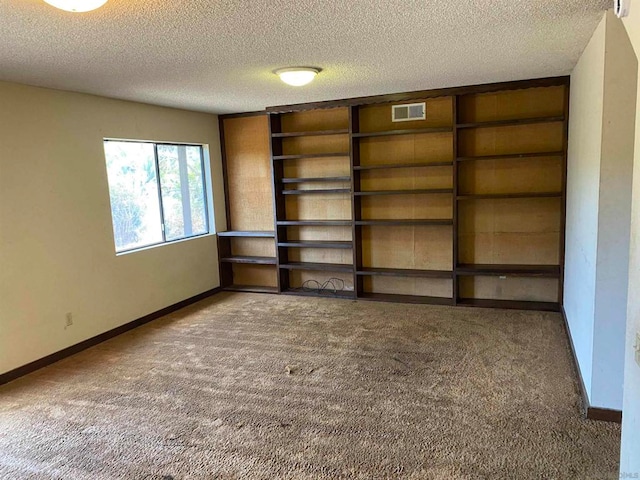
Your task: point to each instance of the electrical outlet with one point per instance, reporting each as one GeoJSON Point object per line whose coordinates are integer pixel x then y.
{"type": "Point", "coordinates": [69, 320]}
{"type": "Point", "coordinates": [637, 348]}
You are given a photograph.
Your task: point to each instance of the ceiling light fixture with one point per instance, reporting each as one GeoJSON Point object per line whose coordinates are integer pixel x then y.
{"type": "Point", "coordinates": [297, 76]}
{"type": "Point", "coordinates": [76, 5]}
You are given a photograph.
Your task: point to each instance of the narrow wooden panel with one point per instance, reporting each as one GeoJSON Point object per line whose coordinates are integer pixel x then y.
{"type": "Point", "coordinates": [407, 206]}
{"type": "Point", "coordinates": [510, 215]}
{"type": "Point", "coordinates": [510, 288]}
{"type": "Point", "coordinates": [310, 120]}
{"type": "Point", "coordinates": [298, 277]}
{"type": "Point", "coordinates": [248, 169]}
{"type": "Point", "coordinates": [516, 231]}
{"type": "Point", "coordinates": [418, 247]}
{"type": "Point", "coordinates": [542, 174]}
{"type": "Point", "coordinates": [318, 167]}
{"type": "Point", "coordinates": [415, 148]}
{"type": "Point", "coordinates": [320, 255]}
{"type": "Point", "coordinates": [262, 247]}
{"type": "Point", "coordinates": [429, 287]}
{"type": "Point", "coordinates": [308, 145]}
{"type": "Point", "coordinates": [265, 275]}
{"type": "Point", "coordinates": [540, 137]}
{"type": "Point", "coordinates": [319, 207]}
{"type": "Point", "coordinates": [376, 118]}
{"type": "Point", "coordinates": [512, 104]}
{"type": "Point", "coordinates": [319, 233]}
{"type": "Point", "coordinates": [510, 248]}
{"type": "Point", "coordinates": [406, 178]}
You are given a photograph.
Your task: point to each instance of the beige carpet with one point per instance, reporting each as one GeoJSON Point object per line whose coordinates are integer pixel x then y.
{"type": "Point", "coordinates": [265, 387]}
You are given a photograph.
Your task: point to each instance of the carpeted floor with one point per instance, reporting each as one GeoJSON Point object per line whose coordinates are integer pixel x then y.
{"type": "Point", "coordinates": [266, 387]}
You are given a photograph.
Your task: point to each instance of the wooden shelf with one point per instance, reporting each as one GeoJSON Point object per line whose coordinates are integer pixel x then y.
{"type": "Point", "coordinates": [430, 191]}
{"type": "Point", "coordinates": [254, 234]}
{"type": "Point", "coordinates": [315, 244]}
{"type": "Point", "coordinates": [389, 297]}
{"type": "Point", "coordinates": [552, 271]}
{"type": "Point", "coordinates": [515, 156]}
{"type": "Point", "coordinates": [403, 165]}
{"type": "Point", "coordinates": [314, 223]}
{"type": "Point", "coordinates": [311, 133]}
{"type": "Point", "coordinates": [330, 267]}
{"type": "Point", "coordinates": [324, 293]}
{"type": "Point", "coordinates": [310, 155]}
{"type": "Point", "coordinates": [251, 288]}
{"type": "Point", "coordinates": [510, 304]}
{"type": "Point", "coordinates": [249, 259]}
{"type": "Point", "coordinates": [317, 191]}
{"type": "Point", "coordinates": [513, 122]}
{"type": "Point", "coordinates": [402, 132]}
{"type": "Point", "coordinates": [486, 196]}
{"type": "Point", "coordinates": [440, 221]}
{"type": "Point", "coordinates": [316, 179]}
{"type": "Point", "coordinates": [405, 272]}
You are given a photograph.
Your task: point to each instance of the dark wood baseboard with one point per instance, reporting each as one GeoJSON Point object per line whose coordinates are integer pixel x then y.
{"type": "Point", "coordinates": [589, 412]}
{"type": "Point", "coordinates": [78, 347]}
{"type": "Point", "coordinates": [604, 414]}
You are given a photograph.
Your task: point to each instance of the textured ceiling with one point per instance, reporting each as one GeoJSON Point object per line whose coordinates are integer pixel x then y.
{"type": "Point", "coordinates": [217, 55]}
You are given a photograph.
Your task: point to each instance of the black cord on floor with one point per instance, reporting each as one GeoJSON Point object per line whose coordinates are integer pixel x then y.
{"type": "Point", "coordinates": [332, 286]}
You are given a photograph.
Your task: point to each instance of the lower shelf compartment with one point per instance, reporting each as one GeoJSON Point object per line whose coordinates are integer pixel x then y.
{"type": "Point", "coordinates": [251, 288]}
{"type": "Point", "coordinates": [350, 294]}
{"type": "Point", "coordinates": [510, 304]}
{"type": "Point", "coordinates": [391, 297]}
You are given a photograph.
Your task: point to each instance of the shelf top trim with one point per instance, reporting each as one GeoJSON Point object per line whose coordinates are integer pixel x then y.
{"type": "Point", "coordinates": [423, 94]}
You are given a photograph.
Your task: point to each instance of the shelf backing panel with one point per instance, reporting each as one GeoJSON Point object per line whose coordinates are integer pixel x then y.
{"type": "Point", "coordinates": [512, 139]}
{"type": "Point", "coordinates": [312, 145]}
{"type": "Point", "coordinates": [412, 148]}
{"type": "Point", "coordinates": [509, 231]}
{"type": "Point", "coordinates": [377, 118]}
{"type": "Point", "coordinates": [413, 206]}
{"type": "Point", "coordinates": [246, 274]}
{"type": "Point", "coordinates": [298, 277]}
{"type": "Point", "coordinates": [313, 120]}
{"type": "Point", "coordinates": [429, 287]}
{"type": "Point", "coordinates": [248, 167]}
{"type": "Point", "coordinates": [420, 247]}
{"type": "Point", "coordinates": [333, 206]}
{"type": "Point", "coordinates": [540, 174]}
{"type": "Point", "coordinates": [509, 288]}
{"type": "Point", "coordinates": [511, 104]}
{"type": "Point", "coordinates": [406, 178]}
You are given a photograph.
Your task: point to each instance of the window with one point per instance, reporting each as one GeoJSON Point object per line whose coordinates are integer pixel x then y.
{"type": "Point", "coordinates": [157, 192]}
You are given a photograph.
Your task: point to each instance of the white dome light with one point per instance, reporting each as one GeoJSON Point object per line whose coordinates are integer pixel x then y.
{"type": "Point", "coordinates": [76, 5]}
{"type": "Point", "coordinates": [297, 76]}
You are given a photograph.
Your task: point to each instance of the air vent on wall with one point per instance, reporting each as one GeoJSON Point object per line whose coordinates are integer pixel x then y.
{"type": "Point", "coordinates": [408, 112]}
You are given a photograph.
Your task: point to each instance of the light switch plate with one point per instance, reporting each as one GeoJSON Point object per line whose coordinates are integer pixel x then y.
{"type": "Point", "coordinates": [637, 348]}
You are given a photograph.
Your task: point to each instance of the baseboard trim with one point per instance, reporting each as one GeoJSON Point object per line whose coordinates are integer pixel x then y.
{"type": "Point", "coordinates": [78, 347]}
{"type": "Point", "coordinates": [589, 412]}
{"type": "Point", "coordinates": [604, 414]}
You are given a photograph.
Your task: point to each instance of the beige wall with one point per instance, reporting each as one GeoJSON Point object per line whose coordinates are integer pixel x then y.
{"type": "Point", "coordinates": [56, 241]}
{"type": "Point", "coordinates": [583, 179]}
{"type": "Point", "coordinates": [600, 161]}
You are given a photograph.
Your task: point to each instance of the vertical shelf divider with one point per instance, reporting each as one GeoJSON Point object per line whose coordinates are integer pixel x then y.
{"type": "Point", "coordinates": [356, 200]}
{"type": "Point", "coordinates": [454, 230]}
{"type": "Point", "coordinates": [279, 207]}
{"type": "Point", "coordinates": [224, 244]}
{"type": "Point", "coordinates": [563, 199]}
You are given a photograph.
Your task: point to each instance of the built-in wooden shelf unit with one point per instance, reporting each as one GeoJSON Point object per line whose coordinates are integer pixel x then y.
{"type": "Point", "coordinates": [464, 207]}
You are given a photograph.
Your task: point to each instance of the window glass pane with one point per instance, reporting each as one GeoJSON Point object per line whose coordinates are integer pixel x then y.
{"type": "Point", "coordinates": [133, 189]}
{"type": "Point", "coordinates": [196, 191]}
{"type": "Point", "coordinates": [169, 160]}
